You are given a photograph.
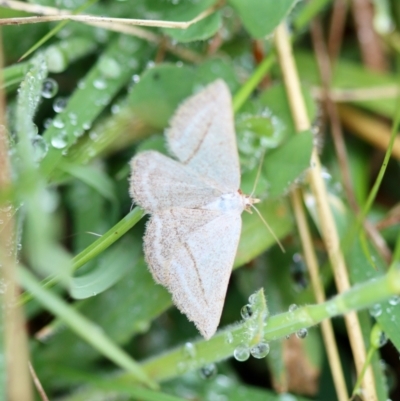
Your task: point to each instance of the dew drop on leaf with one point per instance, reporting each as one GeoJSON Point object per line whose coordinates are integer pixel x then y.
{"type": "Point", "coordinates": [241, 353]}
{"type": "Point", "coordinates": [59, 140]}
{"type": "Point", "coordinates": [59, 104]}
{"type": "Point", "coordinates": [49, 88]}
{"type": "Point", "coordinates": [259, 351]}
{"type": "Point", "coordinates": [302, 333]}
{"type": "Point", "coordinates": [246, 312]}
{"type": "Point", "coordinates": [208, 371]}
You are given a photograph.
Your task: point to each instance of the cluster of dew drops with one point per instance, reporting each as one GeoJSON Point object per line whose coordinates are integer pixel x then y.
{"type": "Point", "coordinates": [243, 351]}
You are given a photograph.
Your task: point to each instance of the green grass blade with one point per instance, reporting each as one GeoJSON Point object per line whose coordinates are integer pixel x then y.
{"type": "Point", "coordinates": [92, 333]}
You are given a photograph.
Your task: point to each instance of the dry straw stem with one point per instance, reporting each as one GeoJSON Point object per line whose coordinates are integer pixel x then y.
{"type": "Point", "coordinates": [369, 128]}
{"type": "Point", "coordinates": [15, 340]}
{"type": "Point", "coordinates": [328, 228]}
{"type": "Point", "coordinates": [62, 16]}
{"type": "Point", "coordinates": [318, 289]}
{"type": "Point", "coordinates": [116, 26]}
{"type": "Point", "coordinates": [357, 94]}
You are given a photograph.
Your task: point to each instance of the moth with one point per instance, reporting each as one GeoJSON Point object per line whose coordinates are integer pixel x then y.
{"type": "Point", "coordinates": [195, 205]}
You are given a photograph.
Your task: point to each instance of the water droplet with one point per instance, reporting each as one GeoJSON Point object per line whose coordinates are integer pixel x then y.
{"type": "Point", "coordinates": [93, 136]}
{"type": "Point", "coordinates": [382, 339]}
{"type": "Point", "coordinates": [292, 307]}
{"type": "Point", "coordinates": [115, 108]}
{"type": "Point", "coordinates": [375, 310]}
{"type": "Point", "coordinates": [86, 126]}
{"type": "Point", "coordinates": [47, 123]}
{"type": "Point", "coordinates": [252, 298]}
{"type": "Point", "coordinates": [40, 147]}
{"type": "Point", "coordinates": [241, 353]}
{"type": "Point", "coordinates": [135, 78]}
{"type": "Point", "coordinates": [109, 67]}
{"type": "Point", "coordinates": [58, 123]}
{"type": "Point", "coordinates": [78, 133]}
{"type": "Point", "coordinates": [59, 140]}
{"type": "Point", "coordinates": [150, 64]}
{"type": "Point", "coordinates": [189, 350]}
{"type": "Point", "coordinates": [302, 333]}
{"type": "Point", "coordinates": [49, 88]}
{"type": "Point", "coordinates": [259, 351]}
{"type": "Point", "coordinates": [246, 312]}
{"type": "Point", "coordinates": [298, 272]}
{"type": "Point", "coordinates": [59, 104]}
{"type": "Point", "coordinates": [100, 83]}
{"type": "Point", "coordinates": [395, 300]}
{"type": "Point", "coordinates": [208, 371]}
{"type": "Point", "coordinates": [229, 337]}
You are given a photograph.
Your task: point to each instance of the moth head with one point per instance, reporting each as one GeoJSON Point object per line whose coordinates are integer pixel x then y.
{"type": "Point", "coordinates": [248, 201]}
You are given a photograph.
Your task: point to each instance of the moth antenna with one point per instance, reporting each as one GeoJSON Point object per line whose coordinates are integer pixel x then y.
{"type": "Point", "coordinates": [258, 174]}
{"type": "Point", "coordinates": [269, 229]}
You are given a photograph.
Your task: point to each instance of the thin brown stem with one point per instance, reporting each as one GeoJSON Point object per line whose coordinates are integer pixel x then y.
{"type": "Point", "coordinates": [370, 44]}
{"type": "Point", "coordinates": [336, 28]}
{"type": "Point", "coordinates": [37, 383]}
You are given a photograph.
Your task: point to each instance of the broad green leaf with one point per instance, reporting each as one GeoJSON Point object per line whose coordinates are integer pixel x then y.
{"type": "Point", "coordinates": [286, 164]}
{"type": "Point", "coordinates": [161, 89]}
{"type": "Point", "coordinates": [256, 237]}
{"type": "Point", "coordinates": [201, 30]}
{"type": "Point", "coordinates": [183, 11]}
{"type": "Point", "coordinates": [274, 102]}
{"type": "Point", "coordinates": [261, 17]}
{"type": "Point", "coordinates": [159, 92]}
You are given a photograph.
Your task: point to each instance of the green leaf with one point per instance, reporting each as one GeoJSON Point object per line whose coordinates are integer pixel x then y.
{"type": "Point", "coordinates": [201, 30]}
{"type": "Point", "coordinates": [276, 103]}
{"type": "Point", "coordinates": [284, 165]}
{"type": "Point", "coordinates": [83, 327]}
{"type": "Point", "coordinates": [95, 178]}
{"type": "Point", "coordinates": [162, 88]}
{"type": "Point", "coordinates": [261, 17]}
{"type": "Point", "coordinates": [184, 11]}
{"type": "Point", "coordinates": [256, 237]}
{"type": "Point", "coordinates": [159, 93]}
{"type": "Point", "coordinates": [113, 264]}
